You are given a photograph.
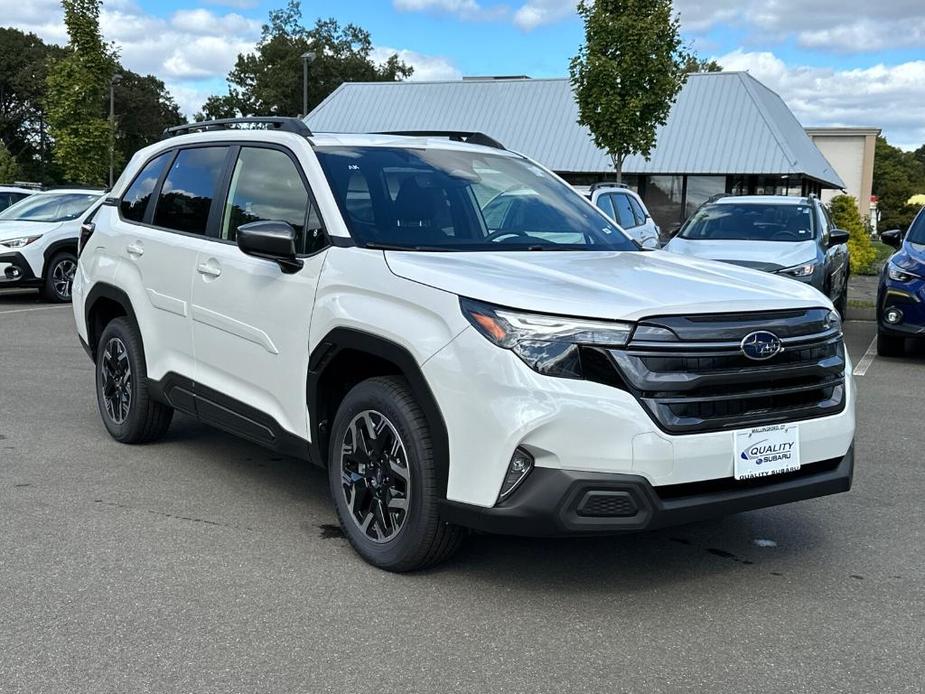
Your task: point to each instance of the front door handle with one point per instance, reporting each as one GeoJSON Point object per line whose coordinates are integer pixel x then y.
{"type": "Point", "coordinates": [135, 249]}
{"type": "Point", "coordinates": [210, 268]}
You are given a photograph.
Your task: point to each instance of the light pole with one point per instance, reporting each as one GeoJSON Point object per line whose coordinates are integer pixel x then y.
{"type": "Point", "coordinates": [112, 123]}
{"type": "Point", "coordinates": [307, 58]}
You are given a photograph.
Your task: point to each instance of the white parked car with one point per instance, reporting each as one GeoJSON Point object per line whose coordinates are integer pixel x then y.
{"type": "Point", "coordinates": [38, 240]}
{"type": "Point", "coordinates": [10, 195]}
{"type": "Point", "coordinates": [342, 298]}
{"type": "Point", "coordinates": [627, 209]}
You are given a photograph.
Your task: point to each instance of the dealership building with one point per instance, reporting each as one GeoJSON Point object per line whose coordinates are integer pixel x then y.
{"type": "Point", "coordinates": [727, 133]}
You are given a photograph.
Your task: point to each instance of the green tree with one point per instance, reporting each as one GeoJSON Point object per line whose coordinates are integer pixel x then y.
{"type": "Point", "coordinates": [269, 80]}
{"type": "Point", "coordinates": [845, 215]}
{"type": "Point", "coordinates": [898, 175]}
{"type": "Point", "coordinates": [695, 64]}
{"type": "Point", "coordinates": [144, 108]}
{"type": "Point", "coordinates": [24, 60]}
{"type": "Point", "coordinates": [77, 86]}
{"type": "Point", "coordinates": [628, 73]}
{"type": "Point", "coordinates": [9, 168]}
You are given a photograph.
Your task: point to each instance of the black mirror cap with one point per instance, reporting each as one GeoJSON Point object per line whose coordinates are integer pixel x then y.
{"type": "Point", "coordinates": [893, 237]}
{"type": "Point", "coordinates": [838, 237]}
{"type": "Point", "coordinates": [271, 241]}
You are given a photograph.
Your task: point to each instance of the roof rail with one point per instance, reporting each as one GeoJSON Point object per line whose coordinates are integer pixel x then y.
{"type": "Point", "coordinates": [607, 184]}
{"type": "Point", "coordinates": [718, 196]}
{"type": "Point", "coordinates": [33, 185]}
{"type": "Point", "coordinates": [472, 138]}
{"type": "Point", "coordinates": [285, 123]}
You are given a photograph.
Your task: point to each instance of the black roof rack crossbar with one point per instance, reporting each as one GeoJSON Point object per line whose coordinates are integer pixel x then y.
{"type": "Point", "coordinates": [284, 123]}
{"type": "Point", "coordinates": [472, 138]}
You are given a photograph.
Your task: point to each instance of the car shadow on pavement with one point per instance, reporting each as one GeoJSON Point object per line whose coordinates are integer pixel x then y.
{"type": "Point", "coordinates": [17, 298]}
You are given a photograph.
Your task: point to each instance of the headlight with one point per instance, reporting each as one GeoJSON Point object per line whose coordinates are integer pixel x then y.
{"type": "Point", "coordinates": [804, 270]}
{"type": "Point", "coordinates": [547, 344]}
{"type": "Point", "coordinates": [833, 321]}
{"type": "Point", "coordinates": [20, 242]}
{"type": "Point", "coordinates": [898, 274]}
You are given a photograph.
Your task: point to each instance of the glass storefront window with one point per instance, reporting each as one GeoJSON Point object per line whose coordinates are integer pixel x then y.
{"type": "Point", "coordinates": [700, 189]}
{"type": "Point", "coordinates": [664, 199]}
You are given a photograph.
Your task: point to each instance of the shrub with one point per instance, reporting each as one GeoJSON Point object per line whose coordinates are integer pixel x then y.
{"type": "Point", "coordinates": [9, 169]}
{"type": "Point", "coordinates": [845, 214]}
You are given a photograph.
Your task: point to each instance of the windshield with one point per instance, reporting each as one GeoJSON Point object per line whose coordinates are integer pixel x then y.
{"type": "Point", "coordinates": [916, 232]}
{"type": "Point", "coordinates": [452, 200]}
{"type": "Point", "coordinates": [50, 207]}
{"type": "Point", "coordinates": [751, 222]}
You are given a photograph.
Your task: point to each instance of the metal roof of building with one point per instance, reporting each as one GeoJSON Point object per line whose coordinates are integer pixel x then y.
{"type": "Point", "coordinates": [722, 123]}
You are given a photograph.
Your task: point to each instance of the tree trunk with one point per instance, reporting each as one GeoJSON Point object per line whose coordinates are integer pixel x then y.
{"type": "Point", "coordinates": [618, 166]}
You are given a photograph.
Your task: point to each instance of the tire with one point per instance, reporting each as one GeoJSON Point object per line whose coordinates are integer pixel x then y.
{"type": "Point", "coordinates": [59, 277]}
{"type": "Point", "coordinates": [890, 345]}
{"type": "Point", "coordinates": [128, 411]}
{"type": "Point", "coordinates": [409, 535]}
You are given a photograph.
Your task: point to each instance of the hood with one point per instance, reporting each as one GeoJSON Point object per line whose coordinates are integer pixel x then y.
{"type": "Point", "coordinates": [13, 228]}
{"type": "Point", "coordinates": [911, 257]}
{"type": "Point", "coordinates": [613, 285]}
{"type": "Point", "coordinates": [769, 256]}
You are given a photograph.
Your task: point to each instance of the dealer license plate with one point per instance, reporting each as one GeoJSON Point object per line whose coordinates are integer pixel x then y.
{"type": "Point", "coordinates": [770, 450]}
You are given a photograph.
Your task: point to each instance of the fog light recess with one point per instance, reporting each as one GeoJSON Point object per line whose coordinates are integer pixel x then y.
{"type": "Point", "coordinates": [893, 316]}
{"type": "Point", "coordinates": [517, 470]}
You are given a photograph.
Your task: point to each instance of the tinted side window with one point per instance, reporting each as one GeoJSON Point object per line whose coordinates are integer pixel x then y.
{"type": "Point", "coordinates": [135, 201]}
{"type": "Point", "coordinates": [266, 186]}
{"type": "Point", "coordinates": [606, 205]}
{"type": "Point", "coordinates": [187, 194]}
{"type": "Point", "coordinates": [6, 199]}
{"type": "Point", "coordinates": [625, 215]}
{"type": "Point", "coordinates": [637, 211]}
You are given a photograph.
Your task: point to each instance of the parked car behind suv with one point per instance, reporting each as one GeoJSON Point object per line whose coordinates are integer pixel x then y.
{"type": "Point", "coordinates": [902, 289]}
{"type": "Point", "coordinates": [38, 240]}
{"type": "Point", "coordinates": [10, 195]}
{"type": "Point", "coordinates": [789, 236]}
{"type": "Point", "coordinates": [627, 209]}
{"type": "Point", "coordinates": [342, 298]}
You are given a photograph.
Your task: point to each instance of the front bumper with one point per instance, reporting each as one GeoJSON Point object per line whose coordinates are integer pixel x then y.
{"type": "Point", "coordinates": [908, 298]}
{"type": "Point", "coordinates": [15, 271]}
{"type": "Point", "coordinates": [556, 503]}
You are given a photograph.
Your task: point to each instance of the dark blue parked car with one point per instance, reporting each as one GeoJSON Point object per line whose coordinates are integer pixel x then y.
{"type": "Point", "coordinates": [901, 295]}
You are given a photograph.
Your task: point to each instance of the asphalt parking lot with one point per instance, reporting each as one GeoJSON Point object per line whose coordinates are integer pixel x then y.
{"type": "Point", "coordinates": [205, 564]}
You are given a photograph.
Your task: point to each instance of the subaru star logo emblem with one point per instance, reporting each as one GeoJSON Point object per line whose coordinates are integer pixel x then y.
{"type": "Point", "coordinates": [761, 345]}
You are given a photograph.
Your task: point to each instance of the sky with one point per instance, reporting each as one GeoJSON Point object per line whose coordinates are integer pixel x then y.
{"type": "Point", "coordinates": [835, 62]}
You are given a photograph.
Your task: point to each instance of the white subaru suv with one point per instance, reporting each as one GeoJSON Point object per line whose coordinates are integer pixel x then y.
{"type": "Point", "coordinates": [341, 298]}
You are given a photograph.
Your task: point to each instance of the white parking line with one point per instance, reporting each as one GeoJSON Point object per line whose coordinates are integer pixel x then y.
{"type": "Point", "coordinates": [867, 359]}
{"type": "Point", "coordinates": [38, 308]}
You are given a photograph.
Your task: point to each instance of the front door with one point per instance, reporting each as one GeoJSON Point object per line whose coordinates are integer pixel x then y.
{"type": "Point", "coordinates": [251, 320]}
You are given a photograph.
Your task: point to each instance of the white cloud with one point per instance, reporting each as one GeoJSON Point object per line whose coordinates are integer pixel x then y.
{"type": "Point", "coordinates": [426, 67]}
{"type": "Point", "coordinates": [535, 13]}
{"type": "Point", "coordinates": [848, 26]}
{"type": "Point", "coordinates": [882, 96]}
{"type": "Point", "coordinates": [464, 9]}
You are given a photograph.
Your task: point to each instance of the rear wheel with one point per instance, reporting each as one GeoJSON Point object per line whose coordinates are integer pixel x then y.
{"type": "Point", "coordinates": [890, 345]}
{"type": "Point", "coordinates": [59, 277]}
{"type": "Point", "coordinates": [128, 411]}
{"type": "Point", "coordinates": [384, 478]}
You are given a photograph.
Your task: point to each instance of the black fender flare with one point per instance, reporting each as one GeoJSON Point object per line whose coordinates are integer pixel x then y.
{"type": "Point", "coordinates": [340, 339]}
{"type": "Point", "coordinates": [57, 247]}
{"type": "Point", "coordinates": [103, 290]}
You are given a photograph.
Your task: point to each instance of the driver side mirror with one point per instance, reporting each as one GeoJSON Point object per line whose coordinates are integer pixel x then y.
{"type": "Point", "coordinates": [893, 237]}
{"type": "Point", "coordinates": [838, 237]}
{"type": "Point", "coordinates": [270, 241]}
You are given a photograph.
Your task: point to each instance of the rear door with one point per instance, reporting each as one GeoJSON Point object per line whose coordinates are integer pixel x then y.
{"type": "Point", "coordinates": [250, 320]}
{"type": "Point", "coordinates": [161, 226]}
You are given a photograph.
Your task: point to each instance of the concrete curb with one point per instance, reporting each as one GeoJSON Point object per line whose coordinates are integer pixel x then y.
{"type": "Point", "coordinates": [861, 314]}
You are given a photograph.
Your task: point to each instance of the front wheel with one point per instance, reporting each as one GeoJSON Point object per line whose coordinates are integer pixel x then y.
{"type": "Point", "coordinates": [59, 277]}
{"type": "Point", "coordinates": [128, 411]}
{"type": "Point", "coordinates": [384, 479]}
{"type": "Point", "coordinates": [890, 345]}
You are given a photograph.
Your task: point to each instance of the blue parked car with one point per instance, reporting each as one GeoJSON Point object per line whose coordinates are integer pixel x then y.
{"type": "Point", "coordinates": [900, 296]}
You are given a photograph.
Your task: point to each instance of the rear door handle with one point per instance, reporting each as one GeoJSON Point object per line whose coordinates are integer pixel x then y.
{"type": "Point", "coordinates": [210, 268]}
{"type": "Point", "coordinates": [135, 249]}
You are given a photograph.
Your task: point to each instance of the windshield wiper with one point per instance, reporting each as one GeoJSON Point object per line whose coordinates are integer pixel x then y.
{"type": "Point", "coordinates": [376, 245]}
